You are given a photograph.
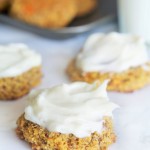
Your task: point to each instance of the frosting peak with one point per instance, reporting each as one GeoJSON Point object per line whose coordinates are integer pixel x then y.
{"type": "Point", "coordinates": [112, 52]}
{"type": "Point", "coordinates": [16, 59]}
{"type": "Point", "coordinates": [76, 108]}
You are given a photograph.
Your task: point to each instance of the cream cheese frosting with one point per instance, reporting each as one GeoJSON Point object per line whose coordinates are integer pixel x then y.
{"type": "Point", "coordinates": [112, 52]}
{"type": "Point", "coordinates": [77, 108]}
{"type": "Point", "coordinates": [16, 59]}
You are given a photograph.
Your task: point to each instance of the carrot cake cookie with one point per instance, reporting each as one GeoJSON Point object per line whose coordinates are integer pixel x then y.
{"type": "Point", "coordinates": [20, 70]}
{"type": "Point", "coordinates": [45, 13]}
{"type": "Point", "coordinates": [121, 58]}
{"type": "Point", "coordinates": [76, 116]}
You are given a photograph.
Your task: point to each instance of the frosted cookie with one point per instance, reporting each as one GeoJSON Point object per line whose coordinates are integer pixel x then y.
{"type": "Point", "coordinates": [75, 116]}
{"type": "Point", "coordinates": [20, 70]}
{"type": "Point", "coordinates": [45, 13]}
{"type": "Point", "coordinates": [85, 6]}
{"type": "Point", "coordinates": [121, 58]}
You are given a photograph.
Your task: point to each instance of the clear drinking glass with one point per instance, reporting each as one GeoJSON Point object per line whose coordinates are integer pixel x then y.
{"type": "Point", "coordinates": [134, 17]}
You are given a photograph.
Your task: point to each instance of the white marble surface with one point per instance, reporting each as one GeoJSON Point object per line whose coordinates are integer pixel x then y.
{"type": "Point", "coordinates": [132, 120]}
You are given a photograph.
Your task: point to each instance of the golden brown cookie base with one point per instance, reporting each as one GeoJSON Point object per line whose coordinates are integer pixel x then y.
{"type": "Point", "coordinates": [45, 13]}
{"type": "Point", "coordinates": [85, 6]}
{"type": "Point", "coordinates": [41, 139]}
{"type": "Point", "coordinates": [16, 87]}
{"type": "Point", "coordinates": [127, 81]}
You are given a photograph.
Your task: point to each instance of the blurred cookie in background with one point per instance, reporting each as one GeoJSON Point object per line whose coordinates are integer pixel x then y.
{"type": "Point", "coordinates": [45, 13]}
{"type": "Point", "coordinates": [4, 4]}
{"type": "Point", "coordinates": [85, 6]}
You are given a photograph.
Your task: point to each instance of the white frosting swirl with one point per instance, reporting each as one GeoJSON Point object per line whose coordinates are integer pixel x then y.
{"type": "Point", "coordinates": [112, 52]}
{"type": "Point", "coordinates": [16, 59]}
{"type": "Point", "coordinates": [76, 108]}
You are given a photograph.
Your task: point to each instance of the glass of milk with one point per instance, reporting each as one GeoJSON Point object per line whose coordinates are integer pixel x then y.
{"type": "Point", "coordinates": [134, 17]}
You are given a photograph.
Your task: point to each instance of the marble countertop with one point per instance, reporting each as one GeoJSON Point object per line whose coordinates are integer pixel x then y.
{"type": "Point", "coordinates": [132, 119]}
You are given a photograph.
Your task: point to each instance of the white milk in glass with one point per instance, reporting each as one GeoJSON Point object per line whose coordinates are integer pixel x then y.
{"type": "Point", "coordinates": [134, 17]}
